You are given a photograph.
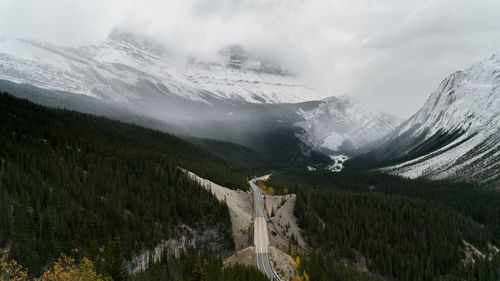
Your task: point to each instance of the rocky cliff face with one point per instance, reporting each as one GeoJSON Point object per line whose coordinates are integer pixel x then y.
{"type": "Point", "coordinates": [210, 239]}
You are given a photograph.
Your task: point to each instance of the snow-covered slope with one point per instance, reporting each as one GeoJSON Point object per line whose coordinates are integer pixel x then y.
{"type": "Point", "coordinates": [344, 124]}
{"type": "Point", "coordinates": [127, 67]}
{"type": "Point", "coordinates": [457, 132]}
{"type": "Point", "coordinates": [133, 72]}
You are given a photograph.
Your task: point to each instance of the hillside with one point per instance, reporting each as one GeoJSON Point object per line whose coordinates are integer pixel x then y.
{"type": "Point", "coordinates": [70, 180]}
{"type": "Point", "coordinates": [455, 134]}
{"type": "Point", "coordinates": [235, 96]}
{"type": "Point", "coordinates": [127, 67]}
{"type": "Point", "coordinates": [73, 180]}
{"type": "Point", "coordinates": [390, 228]}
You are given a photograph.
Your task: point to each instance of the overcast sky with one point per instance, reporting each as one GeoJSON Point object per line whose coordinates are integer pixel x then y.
{"type": "Point", "coordinates": [390, 53]}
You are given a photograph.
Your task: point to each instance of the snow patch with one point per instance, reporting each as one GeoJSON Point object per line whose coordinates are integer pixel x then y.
{"type": "Point", "coordinates": [338, 164]}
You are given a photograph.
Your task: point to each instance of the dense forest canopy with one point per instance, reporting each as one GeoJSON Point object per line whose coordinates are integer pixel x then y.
{"type": "Point", "coordinates": [400, 229]}
{"type": "Point", "coordinates": [110, 189]}
{"type": "Point", "coordinates": [72, 180]}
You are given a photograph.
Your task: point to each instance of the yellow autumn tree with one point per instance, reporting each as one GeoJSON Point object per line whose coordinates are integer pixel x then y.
{"type": "Point", "coordinates": [87, 272]}
{"type": "Point", "coordinates": [270, 191]}
{"type": "Point", "coordinates": [297, 262]}
{"type": "Point", "coordinates": [10, 269]}
{"type": "Point", "coordinates": [262, 186]}
{"type": "Point", "coordinates": [305, 277]}
{"type": "Point", "coordinates": [64, 269]}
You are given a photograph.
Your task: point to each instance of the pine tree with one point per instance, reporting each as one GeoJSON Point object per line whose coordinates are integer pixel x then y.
{"type": "Point", "coordinates": [113, 261]}
{"type": "Point", "coordinates": [197, 274]}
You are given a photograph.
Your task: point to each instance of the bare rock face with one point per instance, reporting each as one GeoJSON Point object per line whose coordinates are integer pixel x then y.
{"type": "Point", "coordinates": [211, 239]}
{"type": "Point", "coordinates": [282, 265]}
{"type": "Point", "coordinates": [240, 205]}
{"type": "Point", "coordinates": [282, 224]}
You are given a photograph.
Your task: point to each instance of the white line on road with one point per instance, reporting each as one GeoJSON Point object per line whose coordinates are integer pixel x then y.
{"type": "Point", "coordinates": [261, 238]}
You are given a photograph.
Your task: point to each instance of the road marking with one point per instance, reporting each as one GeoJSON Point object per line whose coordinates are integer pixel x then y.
{"type": "Point", "coordinates": [261, 238]}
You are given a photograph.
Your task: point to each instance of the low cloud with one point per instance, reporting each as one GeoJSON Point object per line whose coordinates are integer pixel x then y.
{"type": "Point", "coordinates": [390, 53]}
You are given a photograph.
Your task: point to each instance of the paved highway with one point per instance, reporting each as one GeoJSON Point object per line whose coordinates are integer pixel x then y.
{"type": "Point", "coordinates": [260, 237]}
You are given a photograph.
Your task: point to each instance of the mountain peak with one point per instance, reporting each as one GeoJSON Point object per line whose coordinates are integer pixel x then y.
{"type": "Point", "coordinates": [343, 123]}
{"type": "Point", "coordinates": [235, 55]}
{"type": "Point", "coordinates": [233, 50]}
{"type": "Point", "coordinates": [464, 99]}
{"type": "Point", "coordinates": [495, 56]}
{"type": "Point", "coordinates": [122, 35]}
{"type": "Point", "coordinates": [138, 40]}
{"type": "Point", "coordinates": [455, 133]}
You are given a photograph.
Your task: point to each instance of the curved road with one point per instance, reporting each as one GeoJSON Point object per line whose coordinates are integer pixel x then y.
{"type": "Point", "coordinates": [260, 237]}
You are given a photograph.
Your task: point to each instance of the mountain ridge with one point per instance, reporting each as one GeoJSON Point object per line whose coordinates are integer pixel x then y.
{"type": "Point", "coordinates": [240, 93]}
{"type": "Point", "coordinates": [344, 124]}
{"type": "Point", "coordinates": [125, 59]}
{"type": "Point", "coordinates": [455, 134]}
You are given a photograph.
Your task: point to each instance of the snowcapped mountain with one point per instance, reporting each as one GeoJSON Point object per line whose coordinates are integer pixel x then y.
{"type": "Point", "coordinates": [344, 124]}
{"type": "Point", "coordinates": [126, 67]}
{"type": "Point", "coordinates": [456, 133]}
{"type": "Point", "coordinates": [231, 97]}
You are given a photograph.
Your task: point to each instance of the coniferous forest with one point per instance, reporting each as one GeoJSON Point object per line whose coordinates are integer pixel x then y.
{"type": "Point", "coordinates": [70, 180]}
{"type": "Point", "coordinates": [404, 229]}
{"type": "Point", "coordinates": [244, 140]}
{"type": "Point", "coordinates": [111, 190]}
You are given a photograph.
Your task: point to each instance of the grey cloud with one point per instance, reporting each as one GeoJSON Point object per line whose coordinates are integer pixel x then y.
{"type": "Point", "coordinates": [390, 53]}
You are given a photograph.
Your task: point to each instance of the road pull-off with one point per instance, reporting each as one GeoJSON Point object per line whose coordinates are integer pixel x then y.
{"type": "Point", "coordinates": [260, 237]}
